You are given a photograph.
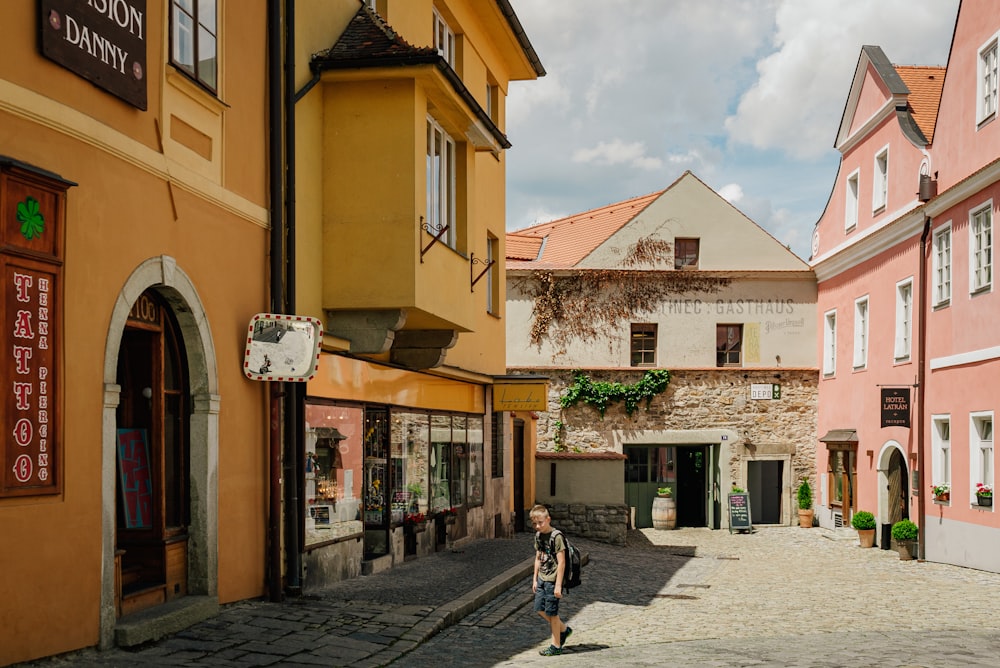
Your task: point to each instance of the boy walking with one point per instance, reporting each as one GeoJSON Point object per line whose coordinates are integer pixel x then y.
{"type": "Point", "coordinates": [550, 568]}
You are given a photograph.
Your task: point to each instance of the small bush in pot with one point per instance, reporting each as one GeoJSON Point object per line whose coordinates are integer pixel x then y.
{"type": "Point", "coordinates": [863, 520]}
{"type": "Point", "coordinates": [805, 498]}
{"type": "Point", "coordinates": [905, 530]}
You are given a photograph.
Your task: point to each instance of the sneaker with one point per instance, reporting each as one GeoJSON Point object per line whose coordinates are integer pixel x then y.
{"type": "Point", "coordinates": [552, 650]}
{"type": "Point", "coordinates": [564, 636]}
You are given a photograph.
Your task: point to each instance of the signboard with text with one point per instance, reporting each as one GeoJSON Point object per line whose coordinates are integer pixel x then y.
{"type": "Point", "coordinates": [31, 270]}
{"type": "Point", "coordinates": [895, 407]}
{"type": "Point", "coordinates": [103, 41]}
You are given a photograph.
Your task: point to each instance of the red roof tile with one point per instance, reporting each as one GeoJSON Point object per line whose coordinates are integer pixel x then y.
{"type": "Point", "coordinates": [925, 84]}
{"type": "Point", "coordinates": [569, 240]}
{"type": "Point", "coordinates": [520, 247]}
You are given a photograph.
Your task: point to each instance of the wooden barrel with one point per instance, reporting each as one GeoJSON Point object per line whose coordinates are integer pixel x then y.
{"type": "Point", "coordinates": [664, 513]}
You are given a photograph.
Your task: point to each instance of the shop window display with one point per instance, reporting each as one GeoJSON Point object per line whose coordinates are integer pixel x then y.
{"type": "Point", "coordinates": [440, 463]}
{"type": "Point", "coordinates": [333, 472]}
{"type": "Point", "coordinates": [476, 468]}
{"type": "Point", "coordinates": [410, 441]}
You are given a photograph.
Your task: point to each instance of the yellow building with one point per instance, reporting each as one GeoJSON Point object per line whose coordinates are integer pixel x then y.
{"type": "Point", "coordinates": [134, 209]}
{"type": "Point", "coordinates": [399, 231]}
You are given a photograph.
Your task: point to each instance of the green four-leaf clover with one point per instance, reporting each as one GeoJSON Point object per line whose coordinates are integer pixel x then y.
{"type": "Point", "coordinates": [32, 222]}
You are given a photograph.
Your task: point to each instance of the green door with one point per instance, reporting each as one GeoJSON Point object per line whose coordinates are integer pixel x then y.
{"type": "Point", "coordinates": [648, 468]}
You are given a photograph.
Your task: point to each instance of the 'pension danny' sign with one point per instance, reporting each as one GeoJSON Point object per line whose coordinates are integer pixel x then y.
{"type": "Point", "coordinates": [104, 41]}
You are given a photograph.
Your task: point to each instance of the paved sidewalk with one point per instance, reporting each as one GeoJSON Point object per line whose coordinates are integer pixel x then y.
{"type": "Point", "coordinates": [365, 621]}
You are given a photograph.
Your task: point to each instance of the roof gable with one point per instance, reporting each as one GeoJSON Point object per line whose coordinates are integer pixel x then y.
{"type": "Point", "coordinates": [881, 89]}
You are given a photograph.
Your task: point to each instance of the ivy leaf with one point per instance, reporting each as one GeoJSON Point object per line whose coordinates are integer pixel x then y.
{"type": "Point", "coordinates": [32, 221]}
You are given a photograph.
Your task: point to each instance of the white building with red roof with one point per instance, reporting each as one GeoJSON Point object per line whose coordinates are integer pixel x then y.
{"type": "Point", "coordinates": [677, 280]}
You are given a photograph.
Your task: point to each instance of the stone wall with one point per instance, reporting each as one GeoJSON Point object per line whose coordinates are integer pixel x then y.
{"type": "Point", "coordinates": [604, 523]}
{"type": "Point", "coordinates": [696, 399]}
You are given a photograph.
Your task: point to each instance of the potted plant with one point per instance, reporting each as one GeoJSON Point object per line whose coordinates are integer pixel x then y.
{"type": "Point", "coordinates": [805, 504]}
{"type": "Point", "coordinates": [904, 532]}
{"type": "Point", "coordinates": [864, 522]}
{"type": "Point", "coordinates": [664, 492]}
{"type": "Point", "coordinates": [984, 494]}
{"type": "Point", "coordinates": [941, 492]}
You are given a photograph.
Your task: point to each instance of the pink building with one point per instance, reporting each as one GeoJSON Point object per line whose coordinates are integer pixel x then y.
{"type": "Point", "coordinates": [910, 364]}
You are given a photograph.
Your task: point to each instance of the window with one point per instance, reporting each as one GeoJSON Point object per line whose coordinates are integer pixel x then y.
{"type": "Point", "coordinates": [440, 182]}
{"type": "Point", "coordinates": [444, 39]}
{"type": "Point", "coordinates": [728, 344]}
{"type": "Point", "coordinates": [980, 450]}
{"type": "Point", "coordinates": [193, 40]}
{"type": "Point", "coordinates": [830, 343]}
{"type": "Point", "coordinates": [880, 187]}
{"type": "Point", "coordinates": [861, 333]}
{"type": "Point", "coordinates": [851, 202]}
{"type": "Point", "coordinates": [685, 253]}
{"type": "Point", "coordinates": [942, 266]}
{"type": "Point", "coordinates": [986, 107]}
{"type": "Point", "coordinates": [904, 319]}
{"type": "Point", "coordinates": [981, 248]}
{"type": "Point", "coordinates": [493, 101]}
{"type": "Point", "coordinates": [497, 442]}
{"type": "Point", "coordinates": [334, 471]}
{"type": "Point", "coordinates": [842, 471]}
{"type": "Point", "coordinates": [643, 345]}
{"type": "Point", "coordinates": [941, 450]}
{"type": "Point", "coordinates": [492, 275]}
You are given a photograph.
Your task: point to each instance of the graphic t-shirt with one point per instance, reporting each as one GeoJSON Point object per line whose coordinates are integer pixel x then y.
{"type": "Point", "coordinates": [549, 545]}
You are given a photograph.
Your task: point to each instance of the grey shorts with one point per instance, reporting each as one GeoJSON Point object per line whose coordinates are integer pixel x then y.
{"type": "Point", "coordinates": [545, 598]}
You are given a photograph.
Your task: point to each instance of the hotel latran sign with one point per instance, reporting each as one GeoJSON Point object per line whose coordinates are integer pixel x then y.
{"type": "Point", "coordinates": [895, 407]}
{"type": "Point", "coordinates": [103, 41]}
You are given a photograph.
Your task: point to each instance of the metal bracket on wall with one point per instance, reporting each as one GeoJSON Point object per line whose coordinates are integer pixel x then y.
{"type": "Point", "coordinates": [438, 232]}
{"type": "Point", "coordinates": [472, 263]}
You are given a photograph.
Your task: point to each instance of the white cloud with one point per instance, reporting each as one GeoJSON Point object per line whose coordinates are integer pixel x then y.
{"type": "Point", "coordinates": [732, 193]}
{"type": "Point", "coordinates": [797, 101]}
{"type": "Point", "coordinates": [618, 152]}
{"type": "Point", "coordinates": [746, 92]}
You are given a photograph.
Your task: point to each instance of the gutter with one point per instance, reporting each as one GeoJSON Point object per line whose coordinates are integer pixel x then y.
{"type": "Point", "coordinates": [921, 375]}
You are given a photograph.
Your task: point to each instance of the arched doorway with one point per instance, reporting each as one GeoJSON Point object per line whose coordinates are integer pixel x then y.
{"type": "Point", "coordinates": [894, 490]}
{"type": "Point", "coordinates": [192, 339]}
{"type": "Point", "coordinates": [152, 507]}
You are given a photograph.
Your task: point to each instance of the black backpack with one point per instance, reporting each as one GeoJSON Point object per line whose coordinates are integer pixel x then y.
{"type": "Point", "coordinates": [574, 563]}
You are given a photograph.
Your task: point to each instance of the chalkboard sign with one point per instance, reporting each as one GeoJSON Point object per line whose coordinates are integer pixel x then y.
{"type": "Point", "coordinates": [739, 512]}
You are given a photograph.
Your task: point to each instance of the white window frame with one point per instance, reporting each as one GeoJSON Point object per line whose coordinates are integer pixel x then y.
{"type": "Point", "coordinates": [492, 275]}
{"type": "Point", "coordinates": [851, 200]}
{"type": "Point", "coordinates": [904, 320]}
{"type": "Point", "coordinates": [441, 182]}
{"type": "Point", "coordinates": [830, 343]}
{"type": "Point", "coordinates": [861, 317]}
{"type": "Point", "coordinates": [194, 40]}
{"type": "Point", "coordinates": [444, 39]}
{"type": "Point", "coordinates": [880, 180]}
{"type": "Point", "coordinates": [986, 80]}
{"type": "Point", "coordinates": [981, 247]}
{"type": "Point", "coordinates": [981, 464]}
{"type": "Point", "coordinates": [941, 450]}
{"type": "Point", "coordinates": [942, 265]}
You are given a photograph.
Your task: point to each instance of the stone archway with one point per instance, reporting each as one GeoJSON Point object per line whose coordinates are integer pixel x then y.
{"type": "Point", "coordinates": [162, 274]}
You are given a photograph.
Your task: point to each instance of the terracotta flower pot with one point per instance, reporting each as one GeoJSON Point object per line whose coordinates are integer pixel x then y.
{"type": "Point", "coordinates": [866, 537]}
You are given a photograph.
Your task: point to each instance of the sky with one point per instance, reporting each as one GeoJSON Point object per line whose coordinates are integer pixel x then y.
{"type": "Point", "coordinates": [746, 94]}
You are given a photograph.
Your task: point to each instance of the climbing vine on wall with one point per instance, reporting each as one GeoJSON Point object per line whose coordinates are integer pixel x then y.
{"type": "Point", "coordinates": [602, 394]}
{"type": "Point", "coordinates": [589, 303]}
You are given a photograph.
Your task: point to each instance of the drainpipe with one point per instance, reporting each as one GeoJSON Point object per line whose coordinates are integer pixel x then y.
{"type": "Point", "coordinates": [294, 409]}
{"type": "Point", "coordinates": [921, 375]}
{"type": "Point", "coordinates": [275, 184]}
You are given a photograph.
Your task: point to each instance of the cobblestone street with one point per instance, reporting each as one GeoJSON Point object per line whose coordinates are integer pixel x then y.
{"type": "Point", "coordinates": [780, 596]}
